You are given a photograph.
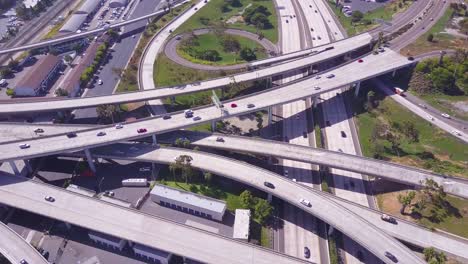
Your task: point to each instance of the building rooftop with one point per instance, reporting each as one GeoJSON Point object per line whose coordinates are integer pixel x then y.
{"type": "Point", "coordinates": [200, 201]}
{"type": "Point", "coordinates": [88, 7]}
{"type": "Point", "coordinates": [241, 224]}
{"type": "Point", "coordinates": [38, 72]}
{"type": "Point", "coordinates": [115, 201]}
{"type": "Point", "coordinates": [77, 189]}
{"type": "Point", "coordinates": [105, 236]}
{"type": "Point", "coordinates": [73, 23]}
{"type": "Point", "coordinates": [151, 250]}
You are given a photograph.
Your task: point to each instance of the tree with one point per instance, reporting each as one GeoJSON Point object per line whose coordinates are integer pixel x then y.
{"type": "Point", "coordinates": [106, 111]}
{"type": "Point", "coordinates": [246, 199]}
{"type": "Point", "coordinates": [230, 44]}
{"type": "Point", "coordinates": [61, 92]}
{"type": "Point", "coordinates": [443, 79]}
{"type": "Point", "coordinates": [12, 64]}
{"type": "Point", "coordinates": [410, 131]}
{"type": "Point", "coordinates": [406, 200]}
{"type": "Point", "coordinates": [260, 20]}
{"type": "Point", "coordinates": [357, 16]}
{"type": "Point", "coordinates": [209, 55]}
{"type": "Point", "coordinates": [370, 98]}
{"type": "Point", "coordinates": [208, 176]}
{"type": "Point", "coordinates": [263, 211]}
{"type": "Point", "coordinates": [434, 257]}
{"type": "Point", "coordinates": [247, 54]}
{"type": "Point", "coordinates": [185, 165]}
{"type": "Point", "coordinates": [5, 71]}
{"type": "Point", "coordinates": [464, 26]}
{"type": "Point", "coordinates": [430, 37]}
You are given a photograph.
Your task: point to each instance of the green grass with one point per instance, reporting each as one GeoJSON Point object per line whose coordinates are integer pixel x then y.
{"type": "Point", "coordinates": [441, 41]}
{"type": "Point", "coordinates": [213, 12]}
{"type": "Point", "coordinates": [444, 146]}
{"type": "Point", "coordinates": [385, 12]}
{"type": "Point", "coordinates": [456, 224]}
{"type": "Point", "coordinates": [212, 42]}
{"type": "Point", "coordinates": [333, 250]}
{"type": "Point", "coordinates": [265, 238]}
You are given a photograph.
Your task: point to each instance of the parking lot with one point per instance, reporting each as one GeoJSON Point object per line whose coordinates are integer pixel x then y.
{"type": "Point", "coordinates": [364, 5]}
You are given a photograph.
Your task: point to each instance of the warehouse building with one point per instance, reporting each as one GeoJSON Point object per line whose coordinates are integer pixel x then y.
{"type": "Point", "coordinates": [78, 189]}
{"type": "Point", "coordinates": [73, 24]}
{"type": "Point", "coordinates": [152, 254]}
{"type": "Point", "coordinates": [188, 202]}
{"type": "Point", "coordinates": [242, 224]}
{"type": "Point", "coordinates": [107, 240]}
{"type": "Point", "coordinates": [117, 3]}
{"type": "Point", "coordinates": [89, 7]}
{"type": "Point", "coordinates": [40, 77]}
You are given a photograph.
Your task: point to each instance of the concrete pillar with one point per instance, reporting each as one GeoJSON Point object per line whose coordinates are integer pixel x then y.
{"type": "Point", "coordinates": [356, 91]}
{"type": "Point", "coordinates": [270, 197]}
{"type": "Point", "coordinates": [270, 115]}
{"type": "Point", "coordinates": [269, 82]}
{"type": "Point", "coordinates": [90, 160]}
{"type": "Point", "coordinates": [155, 141]}
{"type": "Point", "coordinates": [28, 166]}
{"type": "Point", "coordinates": [172, 100]}
{"type": "Point", "coordinates": [68, 225]}
{"type": "Point", "coordinates": [213, 126]}
{"type": "Point", "coordinates": [14, 167]}
{"type": "Point", "coordinates": [393, 73]}
{"type": "Point", "coordinates": [314, 102]}
{"type": "Point", "coordinates": [330, 230]}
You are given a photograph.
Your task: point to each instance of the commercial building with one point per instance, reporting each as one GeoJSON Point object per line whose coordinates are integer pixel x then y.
{"type": "Point", "coordinates": [117, 3]}
{"type": "Point", "coordinates": [73, 24]}
{"type": "Point", "coordinates": [40, 77]}
{"type": "Point", "coordinates": [152, 254]}
{"type": "Point", "coordinates": [188, 202]}
{"type": "Point", "coordinates": [89, 7]}
{"type": "Point", "coordinates": [107, 240]}
{"type": "Point", "coordinates": [83, 191]}
{"type": "Point", "coordinates": [242, 224]}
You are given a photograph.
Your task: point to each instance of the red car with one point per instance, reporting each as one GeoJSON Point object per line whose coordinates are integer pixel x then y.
{"type": "Point", "coordinates": [142, 130]}
{"type": "Point", "coordinates": [360, 61]}
{"type": "Point", "coordinates": [233, 105]}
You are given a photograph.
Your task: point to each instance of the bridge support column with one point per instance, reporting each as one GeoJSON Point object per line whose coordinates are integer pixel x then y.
{"type": "Point", "coordinates": [330, 230]}
{"type": "Point", "coordinates": [14, 167]}
{"type": "Point", "coordinates": [393, 73]}
{"type": "Point", "coordinates": [28, 166]}
{"type": "Point", "coordinates": [213, 126]}
{"type": "Point", "coordinates": [356, 91]}
{"type": "Point", "coordinates": [90, 160]}
{"type": "Point", "coordinates": [270, 197]}
{"type": "Point", "coordinates": [270, 115]}
{"type": "Point", "coordinates": [68, 225]}
{"type": "Point", "coordinates": [172, 100]}
{"type": "Point", "coordinates": [269, 82]}
{"type": "Point", "coordinates": [155, 140]}
{"type": "Point", "coordinates": [314, 102]}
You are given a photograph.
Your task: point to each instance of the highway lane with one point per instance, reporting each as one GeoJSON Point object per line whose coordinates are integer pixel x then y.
{"type": "Point", "coordinates": [150, 92]}
{"type": "Point", "coordinates": [403, 230]}
{"type": "Point", "coordinates": [436, 120]}
{"type": "Point", "coordinates": [350, 73]}
{"type": "Point", "coordinates": [120, 55]}
{"type": "Point", "coordinates": [329, 211]}
{"type": "Point", "coordinates": [299, 229]}
{"type": "Point", "coordinates": [132, 225]}
{"type": "Point", "coordinates": [15, 248]}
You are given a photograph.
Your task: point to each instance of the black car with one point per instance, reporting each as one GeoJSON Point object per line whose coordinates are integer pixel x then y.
{"type": "Point", "coordinates": [391, 256]}
{"type": "Point", "coordinates": [343, 134]}
{"type": "Point", "coordinates": [165, 117]}
{"type": "Point", "coordinates": [306, 252]}
{"type": "Point", "coordinates": [71, 135]}
{"type": "Point", "coordinates": [269, 185]}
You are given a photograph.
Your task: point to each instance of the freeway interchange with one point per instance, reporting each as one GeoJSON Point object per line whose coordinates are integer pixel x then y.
{"type": "Point", "coordinates": [367, 225]}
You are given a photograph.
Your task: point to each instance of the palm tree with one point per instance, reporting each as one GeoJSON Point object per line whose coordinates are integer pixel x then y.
{"type": "Point", "coordinates": [406, 200]}
{"type": "Point", "coordinates": [106, 111]}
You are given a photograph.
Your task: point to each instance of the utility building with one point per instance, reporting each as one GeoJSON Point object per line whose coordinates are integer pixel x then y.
{"type": "Point", "coordinates": [188, 202]}
{"type": "Point", "coordinates": [107, 240]}
{"type": "Point", "coordinates": [242, 224]}
{"type": "Point", "coordinates": [155, 255]}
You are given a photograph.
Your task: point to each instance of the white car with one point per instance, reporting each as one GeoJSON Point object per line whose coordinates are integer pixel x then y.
{"type": "Point", "coordinates": [330, 76]}
{"type": "Point", "coordinates": [316, 88]}
{"type": "Point", "coordinates": [318, 77]}
{"type": "Point", "coordinates": [305, 202]}
{"type": "Point", "coordinates": [445, 115]}
{"type": "Point", "coordinates": [100, 82]}
{"type": "Point", "coordinates": [455, 132]}
{"type": "Point", "coordinates": [423, 106]}
{"type": "Point", "coordinates": [430, 117]}
{"type": "Point", "coordinates": [118, 126]}
{"type": "Point", "coordinates": [24, 146]}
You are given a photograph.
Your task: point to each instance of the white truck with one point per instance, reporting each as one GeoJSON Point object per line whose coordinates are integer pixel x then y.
{"type": "Point", "coordinates": [135, 182]}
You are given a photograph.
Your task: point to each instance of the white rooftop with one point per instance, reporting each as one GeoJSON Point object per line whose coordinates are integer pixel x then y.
{"type": "Point", "coordinates": [200, 201]}
{"type": "Point", "coordinates": [115, 201]}
{"type": "Point", "coordinates": [241, 224]}
{"type": "Point", "coordinates": [83, 191]}
{"type": "Point", "coordinates": [30, 3]}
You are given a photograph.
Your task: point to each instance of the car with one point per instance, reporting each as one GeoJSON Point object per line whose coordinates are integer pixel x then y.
{"type": "Point", "coordinates": [142, 130]}
{"type": "Point", "coordinates": [100, 82]}
{"type": "Point", "coordinates": [165, 117]}
{"type": "Point", "coordinates": [197, 118]}
{"type": "Point", "coordinates": [391, 256]}
{"type": "Point", "coordinates": [316, 88]}
{"type": "Point", "coordinates": [455, 132]}
{"type": "Point", "coordinates": [142, 169]}
{"type": "Point", "coordinates": [206, 1]}
{"type": "Point", "coordinates": [311, 29]}
{"type": "Point", "coordinates": [233, 105]}
{"type": "Point", "coordinates": [445, 115]}
{"type": "Point", "coordinates": [411, 58]}
{"type": "Point", "coordinates": [294, 180]}
{"type": "Point", "coordinates": [340, 150]}
{"type": "Point", "coordinates": [423, 106]}
{"type": "Point", "coordinates": [432, 19]}
{"type": "Point", "coordinates": [387, 218]}
{"type": "Point", "coordinates": [360, 61]}
{"type": "Point", "coordinates": [220, 139]}
{"type": "Point", "coordinates": [290, 17]}
{"type": "Point", "coordinates": [287, 21]}
{"type": "Point", "coordinates": [119, 126]}
{"type": "Point", "coordinates": [39, 130]}
{"type": "Point", "coordinates": [304, 134]}
{"type": "Point", "coordinates": [170, 30]}
{"type": "Point", "coordinates": [49, 199]}
{"type": "Point", "coordinates": [319, 37]}
{"type": "Point", "coordinates": [343, 134]}
{"type": "Point", "coordinates": [23, 261]}
{"type": "Point", "coordinates": [250, 106]}
{"type": "Point", "coordinates": [286, 173]}
{"type": "Point", "coordinates": [269, 185]}
{"type": "Point", "coordinates": [133, 36]}
{"type": "Point", "coordinates": [24, 146]}
{"type": "Point", "coordinates": [330, 76]}
{"type": "Point", "coordinates": [381, 49]}
{"type": "Point", "coordinates": [327, 123]}
{"type": "Point", "coordinates": [188, 113]}
{"type": "Point", "coordinates": [316, 11]}
{"type": "Point", "coordinates": [100, 134]}
{"type": "Point", "coordinates": [305, 202]}
{"type": "Point", "coordinates": [306, 252]}
{"type": "Point", "coordinates": [71, 135]}
{"type": "Point", "coordinates": [318, 77]}
{"type": "Point", "coordinates": [430, 117]}
{"type": "Point", "coordinates": [196, 8]}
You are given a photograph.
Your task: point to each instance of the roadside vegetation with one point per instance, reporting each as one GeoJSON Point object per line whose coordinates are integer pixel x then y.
{"type": "Point", "coordinates": [181, 175]}
{"type": "Point", "coordinates": [450, 32]}
{"type": "Point", "coordinates": [360, 22]}
{"type": "Point", "coordinates": [256, 16]}
{"type": "Point", "coordinates": [219, 48]}
{"type": "Point", "coordinates": [387, 131]}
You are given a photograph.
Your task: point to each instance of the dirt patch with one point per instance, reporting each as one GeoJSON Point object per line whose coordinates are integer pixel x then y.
{"type": "Point", "coordinates": [462, 106]}
{"type": "Point", "coordinates": [235, 19]}
{"type": "Point", "coordinates": [247, 123]}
